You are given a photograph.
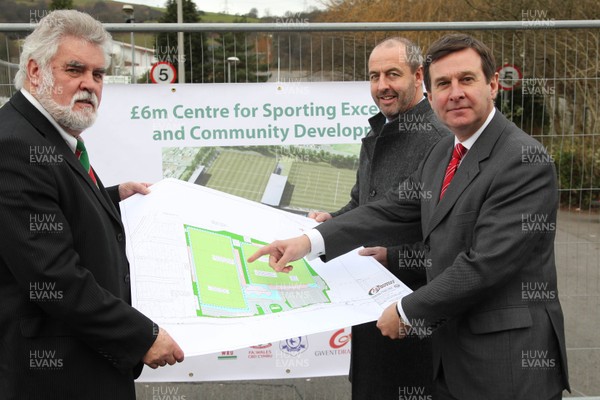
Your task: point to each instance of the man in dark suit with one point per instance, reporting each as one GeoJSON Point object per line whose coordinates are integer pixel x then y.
{"type": "Point", "coordinates": [67, 329]}
{"type": "Point", "coordinates": [401, 135]}
{"type": "Point", "coordinates": [488, 220]}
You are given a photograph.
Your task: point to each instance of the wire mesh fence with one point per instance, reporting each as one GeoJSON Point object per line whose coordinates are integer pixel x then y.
{"type": "Point", "coordinates": [550, 80]}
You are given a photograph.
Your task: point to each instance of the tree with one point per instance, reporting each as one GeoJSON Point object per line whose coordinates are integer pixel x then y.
{"type": "Point", "coordinates": [206, 54]}
{"type": "Point", "coordinates": [61, 5]}
{"type": "Point", "coordinates": [166, 43]}
{"type": "Point", "coordinates": [215, 67]}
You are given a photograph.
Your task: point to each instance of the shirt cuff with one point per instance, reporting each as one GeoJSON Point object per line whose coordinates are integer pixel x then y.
{"type": "Point", "coordinates": [401, 312]}
{"type": "Point", "coordinates": [317, 244]}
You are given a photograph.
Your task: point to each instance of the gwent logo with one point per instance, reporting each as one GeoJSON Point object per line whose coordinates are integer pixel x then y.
{"type": "Point", "coordinates": [339, 339]}
{"type": "Point", "coordinates": [44, 359]}
{"type": "Point", "coordinates": [337, 344]}
{"type": "Point", "coordinates": [376, 289]}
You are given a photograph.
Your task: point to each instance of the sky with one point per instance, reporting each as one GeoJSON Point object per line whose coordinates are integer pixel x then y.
{"type": "Point", "coordinates": [275, 7]}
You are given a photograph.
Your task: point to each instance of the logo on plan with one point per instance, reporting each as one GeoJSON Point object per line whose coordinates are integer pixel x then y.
{"type": "Point", "coordinates": [294, 346]}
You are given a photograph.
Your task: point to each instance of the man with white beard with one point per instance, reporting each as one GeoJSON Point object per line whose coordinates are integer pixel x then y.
{"type": "Point", "coordinates": [67, 329]}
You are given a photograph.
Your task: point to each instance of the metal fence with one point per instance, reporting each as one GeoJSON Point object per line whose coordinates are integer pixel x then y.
{"type": "Point", "coordinates": [550, 72]}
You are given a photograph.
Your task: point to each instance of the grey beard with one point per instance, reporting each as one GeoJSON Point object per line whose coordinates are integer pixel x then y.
{"type": "Point", "coordinates": [69, 119]}
{"type": "Point", "coordinates": [64, 115]}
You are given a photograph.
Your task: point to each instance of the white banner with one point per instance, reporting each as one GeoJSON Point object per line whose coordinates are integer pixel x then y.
{"type": "Point", "coordinates": [136, 122]}
{"type": "Point", "coordinates": [140, 126]}
{"type": "Point", "coordinates": [321, 354]}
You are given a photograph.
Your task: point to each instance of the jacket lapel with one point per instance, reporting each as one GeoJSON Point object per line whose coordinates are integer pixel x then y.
{"type": "Point", "coordinates": [368, 143]}
{"type": "Point", "coordinates": [47, 130]}
{"type": "Point", "coordinates": [467, 171]}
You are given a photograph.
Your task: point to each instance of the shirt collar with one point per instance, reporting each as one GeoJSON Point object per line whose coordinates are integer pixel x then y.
{"type": "Point", "coordinates": [71, 140]}
{"type": "Point", "coordinates": [473, 138]}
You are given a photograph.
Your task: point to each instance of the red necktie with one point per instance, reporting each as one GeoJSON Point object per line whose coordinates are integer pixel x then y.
{"type": "Point", "coordinates": [458, 153]}
{"type": "Point", "coordinates": [82, 155]}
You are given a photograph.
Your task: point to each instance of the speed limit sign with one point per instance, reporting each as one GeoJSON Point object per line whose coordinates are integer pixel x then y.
{"type": "Point", "coordinates": [163, 72]}
{"type": "Point", "coordinates": [509, 76]}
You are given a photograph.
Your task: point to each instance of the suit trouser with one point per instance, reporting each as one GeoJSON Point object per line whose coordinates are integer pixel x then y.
{"type": "Point", "coordinates": [442, 392]}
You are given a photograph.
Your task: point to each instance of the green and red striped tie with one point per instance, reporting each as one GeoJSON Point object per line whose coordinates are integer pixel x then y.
{"type": "Point", "coordinates": [82, 154]}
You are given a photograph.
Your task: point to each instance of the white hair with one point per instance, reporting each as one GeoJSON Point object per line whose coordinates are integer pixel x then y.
{"type": "Point", "coordinates": [42, 44]}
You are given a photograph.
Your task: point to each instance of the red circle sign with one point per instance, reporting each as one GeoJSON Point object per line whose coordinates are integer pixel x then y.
{"type": "Point", "coordinates": [509, 76]}
{"type": "Point", "coordinates": [163, 72]}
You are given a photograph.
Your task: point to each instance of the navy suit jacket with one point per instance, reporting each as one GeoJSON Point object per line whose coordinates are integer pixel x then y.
{"type": "Point", "coordinates": [67, 330]}
{"type": "Point", "coordinates": [491, 299]}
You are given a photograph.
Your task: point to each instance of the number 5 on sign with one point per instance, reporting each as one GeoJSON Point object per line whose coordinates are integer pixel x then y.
{"type": "Point", "coordinates": [163, 72]}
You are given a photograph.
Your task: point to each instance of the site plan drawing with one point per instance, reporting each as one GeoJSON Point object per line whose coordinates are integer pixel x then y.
{"type": "Point", "coordinates": [227, 286]}
{"type": "Point", "coordinates": [188, 245]}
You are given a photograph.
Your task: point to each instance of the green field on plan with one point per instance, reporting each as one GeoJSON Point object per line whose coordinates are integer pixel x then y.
{"type": "Point", "coordinates": [227, 286]}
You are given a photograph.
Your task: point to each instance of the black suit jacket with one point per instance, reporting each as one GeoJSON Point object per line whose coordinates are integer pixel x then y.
{"type": "Point", "coordinates": [388, 155]}
{"type": "Point", "coordinates": [67, 330]}
{"type": "Point", "coordinates": [491, 298]}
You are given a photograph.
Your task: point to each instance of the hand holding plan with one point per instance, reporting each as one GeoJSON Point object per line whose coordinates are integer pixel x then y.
{"type": "Point", "coordinates": [164, 351]}
{"type": "Point", "coordinates": [282, 252]}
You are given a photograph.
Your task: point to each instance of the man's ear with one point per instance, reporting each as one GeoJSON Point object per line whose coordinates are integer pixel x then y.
{"type": "Point", "coordinates": [34, 73]}
{"type": "Point", "coordinates": [494, 86]}
{"type": "Point", "coordinates": [419, 76]}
